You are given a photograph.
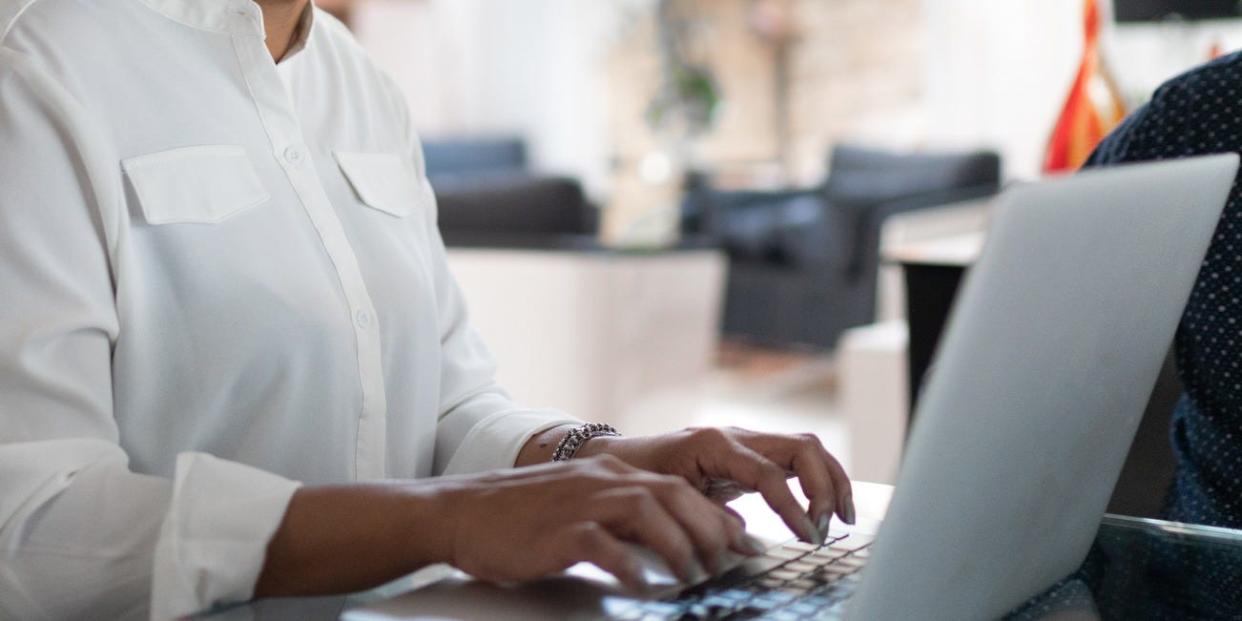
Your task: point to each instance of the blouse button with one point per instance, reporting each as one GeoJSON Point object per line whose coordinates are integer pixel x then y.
{"type": "Point", "coordinates": [363, 319]}
{"type": "Point", "coordinates": [293, 155]}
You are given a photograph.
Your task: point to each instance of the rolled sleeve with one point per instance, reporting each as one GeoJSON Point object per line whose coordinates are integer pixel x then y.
{"type": "Point", "coordinates": [165, 550]}
{"type": "Point", "coordinates": [82, 535]}
{"type": "Point", "coordinates": [491, 433]}
{"type": "Point", "coordinates": [214, 538]}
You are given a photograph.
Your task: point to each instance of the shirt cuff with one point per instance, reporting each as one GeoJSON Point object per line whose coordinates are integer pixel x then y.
{"type": "Point", "coordinates": [214, 538]}
{"type": "Point", "coordinates": [494, 443]}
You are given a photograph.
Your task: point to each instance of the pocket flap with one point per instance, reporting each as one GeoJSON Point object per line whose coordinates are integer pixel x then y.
{"type": "Point", "coordinates": [383, 181]}
{"type": "Point", "coordinates": [201, 184]}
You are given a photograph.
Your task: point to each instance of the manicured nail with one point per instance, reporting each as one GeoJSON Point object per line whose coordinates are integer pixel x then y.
{"type": "Point", "coordinates": [636, 579]}
{"type": "Point", "coordinates": [696, 573]}
{"type": "Point", "coordinates": [824, 521]}
{"type": "Point", "coordinates": [812, 534]}
{"type": "Point", "coordinates": [849, 510]}
{"type": "Point", "coordinates": [752, 545]}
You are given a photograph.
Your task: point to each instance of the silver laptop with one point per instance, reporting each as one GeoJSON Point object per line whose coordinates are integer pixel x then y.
{"type": "Point", "coordinates": [1051, 353]}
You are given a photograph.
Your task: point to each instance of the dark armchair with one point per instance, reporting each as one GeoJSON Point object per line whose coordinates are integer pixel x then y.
{"type": "Point", "coordinates": [803, 263]}
{"type": "Point", "coordinates": [488, 197]}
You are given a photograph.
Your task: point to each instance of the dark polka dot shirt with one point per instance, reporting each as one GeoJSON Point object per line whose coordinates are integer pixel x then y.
{"type": "Point", "coordinates": [1199, 113]}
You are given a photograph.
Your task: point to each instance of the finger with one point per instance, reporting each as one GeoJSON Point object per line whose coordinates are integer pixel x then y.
{"type": "Point", "coordinates": [588, 475]}
{"type": "Point", "coordinates": [845, 489]}
{"type": "Point", "coordinates": [822, 478]}
{"type": "Point", "coordinates": [723, 490]}
{"type": "Point", "coordinates": [608, 463]}
{"type": "Point", "coordinates": [597, 467]}
{"type": "Point", "coordinates": [759, 473]}
{"type": "Point", "coordinates": [817, 486]}
{"type": "Point", "coordinates": [589, 542]}
{"type": "Point", "coordinates": [709, 526]}
{"type": "Point", "coordinates": [843, 492]}
{"type": "Point", "coordinates": [635, 514]}
{"type": "Point", "coordinates": [736, 516]}
{"type": "Point", "coordinates": [807, 462]}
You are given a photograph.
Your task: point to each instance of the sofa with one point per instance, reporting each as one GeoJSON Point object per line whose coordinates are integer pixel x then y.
{"type": "Point", "coordinates": [489, 198]}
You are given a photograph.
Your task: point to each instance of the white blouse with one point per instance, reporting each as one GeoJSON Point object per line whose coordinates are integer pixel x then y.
{"type": "Point", "coordinates": [220, 278]}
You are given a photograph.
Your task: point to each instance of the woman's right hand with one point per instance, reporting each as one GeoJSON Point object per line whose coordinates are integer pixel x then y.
{"type": "Point", "coordinates": [528, 523]}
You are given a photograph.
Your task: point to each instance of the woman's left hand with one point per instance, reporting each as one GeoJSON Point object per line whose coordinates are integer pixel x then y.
{"type": "Point", "coordinates": [723, 462]}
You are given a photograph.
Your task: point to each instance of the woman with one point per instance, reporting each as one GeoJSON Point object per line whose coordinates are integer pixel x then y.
{"type": "Point", "coordinates": [232, 359]}
{"type": "Point", "coordinates": [1197, 114]}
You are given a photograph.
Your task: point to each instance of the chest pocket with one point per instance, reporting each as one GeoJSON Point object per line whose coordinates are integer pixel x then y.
{"type": "Point", "coordinates": [383, 181]}
{"type": "Point", "coordinates": [194, 185]}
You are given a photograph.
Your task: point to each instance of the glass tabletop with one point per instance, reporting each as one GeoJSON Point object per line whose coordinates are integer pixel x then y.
{"type": "Point", "coordinates": [1136, 569]}
{"type": "Point", "coordinates": [1150, 569]}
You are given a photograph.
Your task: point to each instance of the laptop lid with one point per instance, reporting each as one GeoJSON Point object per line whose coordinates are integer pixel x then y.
{"type": "Point", "coordinates": [1041, 379]}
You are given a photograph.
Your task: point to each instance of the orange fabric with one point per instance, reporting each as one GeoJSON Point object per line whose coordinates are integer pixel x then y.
{"type": "Point", "coordinates": [1084, 122]}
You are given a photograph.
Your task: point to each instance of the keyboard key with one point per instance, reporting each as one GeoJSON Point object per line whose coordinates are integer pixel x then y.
{"type": "Point", "coordinates": [746, 613]}
{"type": "Point", "coordinates": [801, 545]}
{"type": "Point", "coordinates": [774, 599]}
{"type": "Point", "coordinates": [827, 577]}
{"type": "Point", "coordinates": [791, 591]}
{"type": "Point", "coordinates": [782, 615]}
{"type": "Point", "coordinates": [819, 600]}
{"type": "Point", "coordinates": [769, 582]}
{"type": "Point", "coordinates": [786, 552]}
{"type": "Point", "coordinates": [802, 566]}
{"type": "Point", "coordinates": [734, 595]}
{"type": "Point", "coordinates": [835, 549]}
{"type": "Point", "coordinates": [756, 566]}
{"type": "Point", "coordinates": [826, 557]}
{"type": "Point", "coordinates": [719, 601]}
{"type": "Point", "coordinates": [855, 542]}
{"type": "Point", "coordinates": [803, 607]}
{"type": "Point", "coordinates": [804, 585]}
{"type": "Point", "coordinates": [696, 612]}
{"type": "Point", "coordinates": [793, 581]}
{"type": "Point", "coordinates": [667, 609]}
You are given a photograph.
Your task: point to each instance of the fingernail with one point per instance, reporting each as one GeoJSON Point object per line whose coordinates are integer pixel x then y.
{"type": "Point", "coordinates": [824, 521]}
{"type": "Point", "coordinates": [753, 545]}
{"type": "Point", "coordinates": [696, 574]}
{"type": "Point", "coordinates": [812, 533]}
{"type": "Point", "coordinates": [637, 578]}
{"type": "Point", "coordinates": [849, 510]}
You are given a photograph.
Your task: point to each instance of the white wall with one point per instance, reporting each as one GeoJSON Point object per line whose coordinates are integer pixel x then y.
{"type": "Point", "coordinates": [997, 72]}
{"type": "Point", "coordinates": [1145, 55]}
{"type": "Point", "coordinates": [531, 67]}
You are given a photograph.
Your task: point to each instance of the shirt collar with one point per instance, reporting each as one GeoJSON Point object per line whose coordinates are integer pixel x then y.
{"type": "Point", "coordinates": [306, 24]}
{"type": "Point", "coordinates": [222, 16]}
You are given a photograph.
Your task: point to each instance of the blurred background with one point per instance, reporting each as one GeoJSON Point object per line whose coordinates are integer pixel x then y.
{"type": "Point", "coordinates": [677, 212]}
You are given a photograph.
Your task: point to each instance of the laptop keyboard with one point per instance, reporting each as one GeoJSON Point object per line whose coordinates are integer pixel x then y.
{"type": "Point", "coordinates": [790, 582]}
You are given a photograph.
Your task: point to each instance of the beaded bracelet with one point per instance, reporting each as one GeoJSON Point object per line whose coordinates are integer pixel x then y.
{"type": "Point", "coordinates": [576, 437]}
